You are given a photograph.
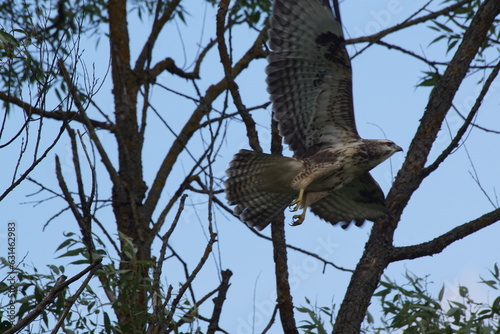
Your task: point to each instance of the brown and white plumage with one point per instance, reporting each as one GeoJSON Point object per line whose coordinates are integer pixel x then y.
{"type": "Point", "coordinates": [309, 79]}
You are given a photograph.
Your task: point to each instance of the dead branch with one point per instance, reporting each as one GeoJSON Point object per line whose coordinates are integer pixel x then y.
{"type": "Point", "coordinates": [158, 25]}
{"type": "Point", "coordinates": [90, 127]}
{"type": "Point", "coordinates": [271, 320]}
{"type": "Point", "coordinates": [83, 223]}
{"type": "Point", "coordinates": [154, 320]}
{"type": "Point", "coordinates": [284, 297]}
{"type": "Point", "coordinates": [213, 325]}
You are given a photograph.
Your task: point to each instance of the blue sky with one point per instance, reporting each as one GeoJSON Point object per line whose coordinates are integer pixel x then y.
{"type": "Point", "coordinates": [386, 99]}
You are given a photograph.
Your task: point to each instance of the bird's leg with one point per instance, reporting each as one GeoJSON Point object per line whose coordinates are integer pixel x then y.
{"type": "Point", "coordinates": [297, 202]}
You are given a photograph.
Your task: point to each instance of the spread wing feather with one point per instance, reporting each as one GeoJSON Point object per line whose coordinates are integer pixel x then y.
{"type": "Point", "coordinates": [357, 201]}
{"type": "Point", "coordinates": [309, 77]}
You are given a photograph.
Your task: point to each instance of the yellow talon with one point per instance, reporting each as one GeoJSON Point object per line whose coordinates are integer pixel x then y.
{"type": "Point", "coordinates": [299, 219]}
{"type": "Point", "coordinates": [297, 202]}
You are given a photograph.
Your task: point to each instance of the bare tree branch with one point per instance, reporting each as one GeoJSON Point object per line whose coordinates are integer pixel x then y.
{"type": "Point", "coordinates": [219, 301]}
{"type": "Point", "coordinates": [468, 121]}
{"type": "Point", "coordinates": [437, 245]}
{"type": "Point", "coordinates": [193, 124]}
{"type": "Point", "coordinates": [187, 284]}
{"type": "Point", "coordinates": [34, 164]}
{"type": "Point", "coordinates": [158, 25]}
{"type": "Point", "coordinates": [405, 24]}
{"type": "Point", "coordinates": [284, 297]}
{"type": "Point", "coordinates": [59, 115]}
{"type": "Point", "coordinates": [71, 300]}
{"type": "Point", "coordinates": [233, 87]}
{"type": "Point", "coordinates": [93, 136]}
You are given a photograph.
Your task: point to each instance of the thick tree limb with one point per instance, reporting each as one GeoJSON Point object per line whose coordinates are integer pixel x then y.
{"type": "Point", "coordinates": [377, 254]}
{"type": "Point", "coordinates": [438, 244]}
{"type": "Point", "coordinates": [410, 176]}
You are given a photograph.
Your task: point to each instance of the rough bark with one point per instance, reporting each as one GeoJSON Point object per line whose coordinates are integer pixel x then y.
{"type": "Point", "coordinates": [379, 248]}
{"type": "Point", "coordinates": [129, 192]}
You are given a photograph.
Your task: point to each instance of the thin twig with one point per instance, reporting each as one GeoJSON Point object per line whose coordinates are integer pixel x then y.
{"type": "Point", "coordinates": [405, 24]}
{"type": "Point", "coordinates": [472, 113]}
{"type": "Point", "coordinates": [271, 320]}
{"type": "Point", "coordinates": [71, 300]}
{"type": "Point", "coordinates": [233, 87]}
{"type": "Point", "coordinates": [34, 164]}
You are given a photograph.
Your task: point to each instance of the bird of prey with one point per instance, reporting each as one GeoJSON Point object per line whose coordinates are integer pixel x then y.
{"type": "Point", "coordinates": [309, 80]}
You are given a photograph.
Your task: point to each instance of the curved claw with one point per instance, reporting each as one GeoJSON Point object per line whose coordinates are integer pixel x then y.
{"type": "Point", "coordinates": [297, 202]}
{"type": "Point", "coordinates": [299, 219]}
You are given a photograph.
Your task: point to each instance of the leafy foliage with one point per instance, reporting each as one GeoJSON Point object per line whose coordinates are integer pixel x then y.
{"type": "Point", "coordinates": [450, 29]}
{"type": "Point", "coordinates": [250, 11]}
{"type": "Point", "coordinates": [411, 308]}
{"type": "Point", "coordinates": [42, 29]}
{"type": "Point", "coordinates": [316, 323]}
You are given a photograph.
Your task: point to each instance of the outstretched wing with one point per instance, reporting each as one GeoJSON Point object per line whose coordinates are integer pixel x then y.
{"type": "Point", "coordinates": [309, 77]}
{"type": "Point", "coordinates": [357, 201]}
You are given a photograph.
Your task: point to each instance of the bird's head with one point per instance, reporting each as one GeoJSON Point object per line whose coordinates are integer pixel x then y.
{"type": "Point", "coordinates": [381, 149]}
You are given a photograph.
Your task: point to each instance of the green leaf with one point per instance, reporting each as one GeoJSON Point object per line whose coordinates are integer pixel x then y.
{"type": "Point", "coordinates": [441, 294]}
{"type": "Point", "coordinates": [495, 307]}
{"type": "Point", "coordinates": [443, 27]}
{"type": "Point", "coordinates": [7, 38]}
{"type": "Point", "coordinates": [463, 291]}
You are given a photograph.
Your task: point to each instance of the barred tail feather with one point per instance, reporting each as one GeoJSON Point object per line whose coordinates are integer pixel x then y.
{"type": "Point", "coordinates": [259, 185]}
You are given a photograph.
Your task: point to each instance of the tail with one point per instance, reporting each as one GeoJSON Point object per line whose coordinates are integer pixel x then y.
{"type": "Point", "coordinates": [259, 185]}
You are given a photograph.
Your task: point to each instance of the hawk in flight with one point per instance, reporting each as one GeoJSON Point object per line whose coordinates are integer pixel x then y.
{"type": "Point", "coordinates": [309, 79]}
